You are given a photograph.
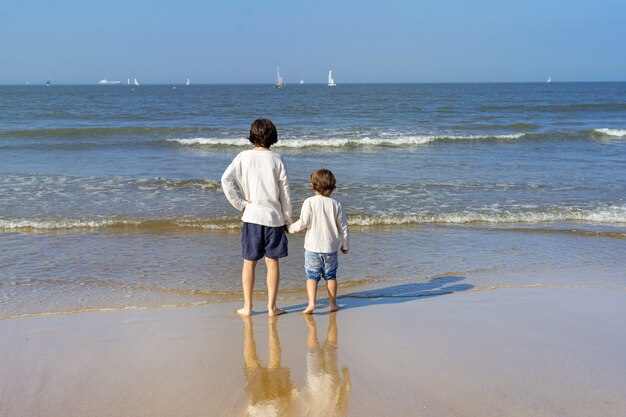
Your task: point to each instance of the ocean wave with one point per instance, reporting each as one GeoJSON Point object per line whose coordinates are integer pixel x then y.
{"type": "Point", "coordinates": [62, 224]}
{"type": "Point", "coordinates": [341, 142]}
{"type": "Point", "coordinates": [29, 225]}
{"type": "Point", "coordinates": [620, 133]}
{"type": "Point", "coordinates": [38, 183]}
{"type": "Point", "coordinates": [614, 215]}
{"type": "Point", "coordinates": [168, 183]}
{"type": "Point", "coordinates": [88, 132]}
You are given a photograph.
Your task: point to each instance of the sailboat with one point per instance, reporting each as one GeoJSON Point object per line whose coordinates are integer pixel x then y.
{"type": "Point", "coordinates": [136, 82]}
{"type": "Point", "coordinates": [549, 79]}
{"type": "Point", "coordinates": [188, 82]}
{"type": "Point", "coordinates": [301, 82]}
{"type": "Point", "coordinates": [279, 79]}
{"type": "Point", "coordinates": [331, 82]}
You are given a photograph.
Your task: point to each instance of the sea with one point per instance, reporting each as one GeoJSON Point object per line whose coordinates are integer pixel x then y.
{"type": "Point", "coordinates": [110, 195]}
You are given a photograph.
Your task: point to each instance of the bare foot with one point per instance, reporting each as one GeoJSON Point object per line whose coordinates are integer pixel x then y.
{"type": "Point", "coordinates": [333, 308]}
{"type": "Point", "coordinates": [245, 312]}
{"type": "Point", "coordinates": [309, 310]}
{"type": "Point", "coordinates": [275, 312]}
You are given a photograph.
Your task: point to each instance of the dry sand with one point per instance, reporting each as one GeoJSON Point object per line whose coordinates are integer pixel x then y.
{"type": "Point", "coordinates": [510, 352]}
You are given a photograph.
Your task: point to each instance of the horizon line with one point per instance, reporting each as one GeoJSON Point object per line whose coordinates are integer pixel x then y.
{"type": "Point", "coordinates": [28, 84]}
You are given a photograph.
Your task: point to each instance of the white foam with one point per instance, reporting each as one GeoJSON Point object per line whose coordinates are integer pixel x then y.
{"type": "Point", "coordinates": [612, 132]}
{"type": "Point", "coordinates": [22, 224]}
{"type": "Point", "coordinates": [612, 215]}
{"type": "Point", "coordinates": [341, 142]}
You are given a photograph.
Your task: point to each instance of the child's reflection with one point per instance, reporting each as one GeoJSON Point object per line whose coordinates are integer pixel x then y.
{"type": "Point", "coordinates": [326, 392]}
{"type": "Point", "coordinates": [269, 388]}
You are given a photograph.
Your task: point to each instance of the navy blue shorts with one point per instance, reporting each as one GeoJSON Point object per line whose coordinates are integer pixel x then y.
{"type": "Point", "coordinates": [258, 241]}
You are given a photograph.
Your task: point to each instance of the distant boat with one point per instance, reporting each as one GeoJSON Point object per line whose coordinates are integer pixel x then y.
{"type": "Point", "coordinates": [47, 83]}
{"type": "Point", "coordinates": [108, 82]}
{"type": "Point", "coordinates": [128, 81]}
{"type": "Point", "coordinates": [136, 82]}
{"type": "Point", "coordinates": [301, 82]}
{"type": "Point", "coordinates": [279, 79]}
{"type": "Point", "coordinates": [549, 79]}
{"type": "Point", "coordinates": [331, 82]}
{"type": "Point", "coordinates": [188, 82]}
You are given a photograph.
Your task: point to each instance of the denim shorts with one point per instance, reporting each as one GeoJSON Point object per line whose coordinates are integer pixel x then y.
{"type": "Point", "coordinates": [320, 265]}
{"type": "Point", "coordinates": [259, 241]}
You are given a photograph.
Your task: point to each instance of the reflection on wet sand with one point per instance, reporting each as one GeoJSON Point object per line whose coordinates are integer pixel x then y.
{"type": "Point", "coordinates": [326, 392]}
{"type": "Point", "coordinates": [270, 389]}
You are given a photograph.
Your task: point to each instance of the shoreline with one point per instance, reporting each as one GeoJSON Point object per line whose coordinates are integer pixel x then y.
{"type": "Point", "coordinates": [515, 352]}
{"type": "Point", "coordinates": [137, 271]}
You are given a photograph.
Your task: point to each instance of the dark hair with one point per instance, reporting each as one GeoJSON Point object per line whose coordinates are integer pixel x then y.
{"type": "Point", "coordinates": [323, 181]}
{"type": "Point", "coordinates": [263, 133]}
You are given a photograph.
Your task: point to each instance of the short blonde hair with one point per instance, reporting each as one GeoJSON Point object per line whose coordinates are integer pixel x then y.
{"type": "Point", "coordinates": [323, 182]}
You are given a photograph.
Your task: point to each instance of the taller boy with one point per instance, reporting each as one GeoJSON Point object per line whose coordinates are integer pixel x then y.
{"type": "Point", "coordinates": [260, 176]}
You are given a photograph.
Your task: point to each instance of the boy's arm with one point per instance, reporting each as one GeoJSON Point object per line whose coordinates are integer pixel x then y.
{"type": "Point", "coordinates": [285, 194]}
{"type": "Point", "coordinates": [304, 221]}
{"type": "Point", "coordinates": [230, 186]}
{"type": "Point", "coordinates": [342, 223]}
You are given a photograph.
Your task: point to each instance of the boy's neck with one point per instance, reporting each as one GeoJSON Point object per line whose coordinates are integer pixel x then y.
{"type": "Point", "coordinates": [261, 148]}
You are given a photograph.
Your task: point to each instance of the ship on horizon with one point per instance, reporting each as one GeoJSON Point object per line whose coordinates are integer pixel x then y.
{"type": "Point", "coordinates": [279, 79]}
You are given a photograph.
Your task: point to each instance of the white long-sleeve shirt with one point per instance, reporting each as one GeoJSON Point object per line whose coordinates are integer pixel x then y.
{"type": "Point", "coordinates": [261, 177]}
{"type": "Point", "coordinates": [325, 223]}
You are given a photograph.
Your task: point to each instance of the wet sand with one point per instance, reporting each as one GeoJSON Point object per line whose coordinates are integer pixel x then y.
{"type": "Point", "coordinates": [509, 352]}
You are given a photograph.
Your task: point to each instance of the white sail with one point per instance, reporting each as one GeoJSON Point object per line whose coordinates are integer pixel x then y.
{"type": "Point", "coordinates": [188, 82]}
{"type": "Point", "coordinates": [331, 81]}
{"type": "Point", "coordinates": [279, 79]}
{"type": "Point", "coordinates": [136, 82]}
{"type": "Point", "coordinates": [549, 79]}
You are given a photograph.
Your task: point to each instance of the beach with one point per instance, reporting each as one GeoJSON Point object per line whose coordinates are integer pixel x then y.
{"type": "Point", "coordinates": [514, 352]}
{"type": "Point", "coordinates": [486, 272]}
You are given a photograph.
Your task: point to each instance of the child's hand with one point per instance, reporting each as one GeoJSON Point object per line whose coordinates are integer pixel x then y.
{"type": "Point", "coordinates": [286, 229]}
{"type": "Point", "coordinates": [344, 251]}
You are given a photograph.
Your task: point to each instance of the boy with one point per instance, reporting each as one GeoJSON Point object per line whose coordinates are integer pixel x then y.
{"type": "Point", "coordinates": [260, 175]}
{"type": "Point", "coordinates": [327, 232]}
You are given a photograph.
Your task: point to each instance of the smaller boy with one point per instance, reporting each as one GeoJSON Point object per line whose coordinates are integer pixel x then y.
{"type": "Point", "coordinates": [326, 233]}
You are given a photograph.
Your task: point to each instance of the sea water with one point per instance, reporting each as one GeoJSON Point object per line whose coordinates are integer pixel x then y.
{"type": "Point", "coordinates": [110, 196]}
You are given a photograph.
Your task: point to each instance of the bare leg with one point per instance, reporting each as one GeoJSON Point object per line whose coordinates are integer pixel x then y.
{"type": "Point", "coordinates": [331, 284]}
{"type": "Point", "coordinates": [247, 282]}
{"type": "Point", "coordinates": [273, 279]}
{"type": "Point", "coordinates": [311, 290]}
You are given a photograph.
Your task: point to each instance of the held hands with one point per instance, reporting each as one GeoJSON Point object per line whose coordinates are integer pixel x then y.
{"type": "Point", "coordinates": [345, 251]}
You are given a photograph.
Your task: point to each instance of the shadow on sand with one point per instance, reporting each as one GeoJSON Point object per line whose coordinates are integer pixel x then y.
{"type": "Point", "coordinates": [392, 295]}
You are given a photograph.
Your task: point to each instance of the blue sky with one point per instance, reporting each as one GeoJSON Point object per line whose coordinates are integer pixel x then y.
{"type": "Point", "coordinates": [237, 41]}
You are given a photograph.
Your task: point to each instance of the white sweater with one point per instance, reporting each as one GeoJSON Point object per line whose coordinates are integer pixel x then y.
{"type": "Point", "coordinates": [325, 223]}
{"type": "Point", "coordinates": [261, 177]}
